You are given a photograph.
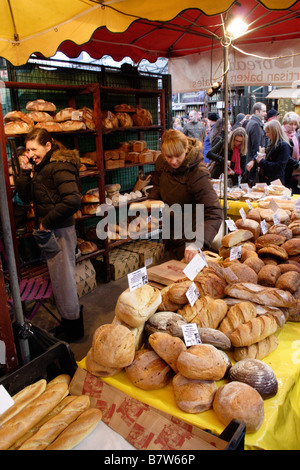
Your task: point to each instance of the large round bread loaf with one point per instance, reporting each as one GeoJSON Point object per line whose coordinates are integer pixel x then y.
{"type": "Point", "coordinates": [167, 347]}
{"type": "Point", "coordinates": [193, 396]}
{"type": "Point", "coordinates": [167, 322]}
{"type": "Point", "coordinates": [203, 362]}
{"type": "Point", "coordinates": [257, 374]}
{"type": "Point", "coordinates": [148, 371]}
{"type": "Point", "coordinates": [240, 401]}
{"type": "Point", "coordinates": [113, 346]}
{"type": "Point", "coordinates": [136, 307]}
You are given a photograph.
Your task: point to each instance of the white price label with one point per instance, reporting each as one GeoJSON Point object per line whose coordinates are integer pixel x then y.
{"type": "Point", "coordinates": [276, 219]}
{"type": "Point", "coordinates": [231, 225]}
{"type": "Point", "coordinates": [235, 253]}
{"type": "Point", "coordinates": [243, 213]}
{"type": "Point", "coordinates": [263, 226]}
{"type": "Point", "coordinates": [297, 204]}
{"type": "Point", "coordinates": [194, 267]}
{"type": "Point", "coordinates": [77, 115]}
{"type": "Point", "coordinates": [192, 294]}
{"type": "Point", "coordinates": [6, 400]}
{"type": "Point", "coordinates": [273, 206]}
{"type": "Point", "coordinates": [137, 279]}
{"type": "Point", "coordinates": [248, 202]}
{"type": "Point", "coordinates": [191, 334]}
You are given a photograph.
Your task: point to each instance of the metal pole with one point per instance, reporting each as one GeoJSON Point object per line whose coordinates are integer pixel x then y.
{"type": "Point", "coordinates": [11, 261]}
{"type": "Point", "coordinates": [226, 66]}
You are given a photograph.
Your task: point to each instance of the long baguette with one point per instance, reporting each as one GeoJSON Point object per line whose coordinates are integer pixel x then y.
{"type": "Point", "coordinates": [22, 399]}
{"type": "Point", "coordinates": [260, 294]}
{"type": "Point", "coordinates": [14, 428]}
{"type": "Point", "coordinates": [62, 378]}
{"type": "Point", "coordinates": [257, 350]}
{"type": "Point", "coordinates": [51, 430]}
{"type": "Point", "coordinates": [254, 331]}
{"type": "Point", "coordinates": [66, 401]}
{"type": "Point", "coordinates": [77, 431]}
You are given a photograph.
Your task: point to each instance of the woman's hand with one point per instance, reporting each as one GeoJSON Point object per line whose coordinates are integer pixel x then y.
{"type": "Point", "coordinates": [250, 165]}
{"type": "Point", "coordinates": [24, 162]}
{"type": "Point", "coordinates": [189, 254]}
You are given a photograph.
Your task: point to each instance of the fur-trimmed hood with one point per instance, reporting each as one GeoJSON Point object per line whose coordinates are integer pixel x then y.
{"type": "Point", "coordinates": [66, 156]}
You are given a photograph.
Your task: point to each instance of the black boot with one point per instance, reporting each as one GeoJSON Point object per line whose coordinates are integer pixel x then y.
{"type": "Point", "coordinates": [70, 330]}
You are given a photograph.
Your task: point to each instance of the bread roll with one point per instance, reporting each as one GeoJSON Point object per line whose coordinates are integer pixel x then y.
{"type": "Point", "coordinates": [166, 322]}
{"type": "Point", "coordinates": [49, 431]}
{"type": "Point", "coordinates": [18, 425]}
{"type": "Point", "coordinates": [237, 314]}
{"type": "Point", "coordinates": [77, 431]}
{"type": "Point", "coordinates": [258, 350]}
{"type": "Point", "coordinates": [289, 281]}
{"type": "Point", "coordinates": [239, 272]}
{"type": "Point", "coordinates": [249, 224]}
{"type": "Point", "coordinates": [292, 247]}
{"type": "Point", "coordinates": [136, 307]}
{"type": "Point", "coordinates": [177, 292]}
{"type": "Point", "coordinates": [99, 370]}
{"type": "Point", "coordinates": [237, 400]}
{"type": "Point", "coordinates": [203, 362]}
{"type": "Point", "coordinates": [236, 237]}
{"type": "Point", "coordinates": [209, 282]}
{"type": "Point", "coordinates": [148, 371]}
{"type": "Point", "coordinates": [125, 120]}
{"type": "Point", "coordinates": [193, 396]}
{"type": "Point", "coordinates": [167, 347]}
{"type": "Point", "coordinates": [40, 105]}
{"type": "Point", "coordinates": [254, 263]}
{"type": "Point", "coordinates": [257, 374]}
{"type": "Point", "coordinates": [254, 330]}
{"type": "Point", "coordinates": [113, 346]}
{"type": "Point", "coordinates": [206, 312]}
{"type": "Point", "coordinates": [166, 303]}
{"type": "Point", "coordinates": [260, 294]}
{"type": "Point", "coordinates": [268, 275]}
{"type": "Point", "coordinates": [274, 251]}
{"type": "Point", "coordinates": [269, 239]}
{"type": "Point", "coordinates": [23, 398]}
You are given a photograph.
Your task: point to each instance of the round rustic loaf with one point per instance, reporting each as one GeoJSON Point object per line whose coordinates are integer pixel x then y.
{"type": "Point", "coordinates": [268, 275]}
{"type": "Point", "coordinates": [193, 396]}
{"type": "Point", "coordinates": [168, 322]}
{"type": "Point", "coordinates": [177, 292]}
{"type": "Point", "coordinates": [237, 400]}
{"type": "Point", "coordinates": [203, 362]}
{"type": "Point", "coordinates": [257, 374]}
{"type": "Point", "coordinates": [40, 105]}
{"type": "Point", "coordinates": [254, 263]}
{"type": "Point", "coordinates": [148, 371]}
{"type": "Point", "coordinates": [167, 347]}
{"type": "Point", "coordinates": [97, 369]}
{"type": "Point", "coordinates": [136, 307]}
{"type": "Point", "coordinates": [113, 346]}
{"type": "Point", "coordinates": [289, 281]}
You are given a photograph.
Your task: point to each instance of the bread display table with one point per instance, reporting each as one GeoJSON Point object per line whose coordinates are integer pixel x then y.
{"type": "Point", "coordinates": [281, 426]}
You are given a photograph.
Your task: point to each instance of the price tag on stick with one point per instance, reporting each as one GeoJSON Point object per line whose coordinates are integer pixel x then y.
{"type": "Point", "coordinates": [191, 334]}
{"type": "Point", "coordinates": [137, 279]}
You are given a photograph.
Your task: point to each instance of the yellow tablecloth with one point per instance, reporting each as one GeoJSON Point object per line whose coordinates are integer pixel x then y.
{"type": "Point", "coordinates": [281, 427]}
{"type": "Point", "coordinates": [234, 207]}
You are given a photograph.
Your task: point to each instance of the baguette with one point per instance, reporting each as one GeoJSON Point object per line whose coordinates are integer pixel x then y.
{"type": "Point", "coordinates": [261, 295]}
{"type": "Point", "coordinates": [257, 350]}
{"type": "Point", "coordinates": [254, 331]}
{"type": "Point", "coordinates": [14, 428]}
{"type": "Point", "coordinates": [52, 428]}
{"type": "Point", "coordinates": [22, 399]}
{"type": "Point", "coordinates": [77, 431]}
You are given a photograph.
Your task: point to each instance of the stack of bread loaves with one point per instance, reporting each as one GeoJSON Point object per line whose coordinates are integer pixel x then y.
{"type": "Point", "coordinates": [46, 417]}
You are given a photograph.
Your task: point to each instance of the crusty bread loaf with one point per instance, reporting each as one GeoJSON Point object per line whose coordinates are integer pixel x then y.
{"type": "Point", "coordinates": [210, 282]}
{"type": "Point", "coordinates": [239, 272]}
{"type": "Point", "coordinates": [50, 126]}
{"type": "Point", "coordinates": [281, 229]}
{"type": "Point", "coordinates": [167, 347]}
{"type": "Point", "coordinates": [203, 362]}
{"type": "Point", "coordinates": [40, 105]}
{"type": "Point", "coordinates": [269, 239]}
{"type": "Point", "coordinates": [206, 312]}
{"type": "Point", "coordinates": [99, 370]}
{"type": "Point", "coordinates": [237, 400]}
{"type": "Point", "coordinates": [125, 120]}
{"type": "Point", "coordinates": [292, 246]}
{"type": "Point", "coordinates": [254, 263]}
{"type": "Point", "coordinates": [166, 322]}
{"type": "Point", "coordinates": [275, 251]}
{"type": "Point", "coordinates": [289, 281]}
{"type": "Point", "coordinates": [166, 303]}
{"type": "Point", "coordinates": [215, 338]}
{"type": "Point", "coordinates": [148, 371]}
{"type": "Point", "coordinates": [15, 427]}
{"type": "Point", "coordinates": [124, 108]}
{"type": "Point", "coordinates": [70, 125]}
{"type": "Point", "coordinates": [193, 396]}
{"type": "Point", "coordinates": [61, 378]}
{"type": "Point", "coordinates": [49, 431]}
{"type": "Point", "coordinates": [109, 120]}
{"type": "Point", "coordinates": [113, 345]}
{"type": "Point", "coordinates": [15, 116]}
{"type": "Point", "coordinates": [258, 350]}
{"type": "Point", "coordinates": [249, 224]}
{"type": "Point", "coordinates": [135, 307]}
{"type": "Point", "coordinates": [268, 275]}
{"type": "Point", "coordinates": [17, 127]}
{"type": "Point", "coordinates": [254, 330]}
{"type": "Point", "coordinates": [77, 431]}
{"type": "Point", "coordinates": [177, 292]}
{"type": "Point", "coordinates": [236, 237]}
{"type": "Point", "coordinates": [142, 117]}
{"type": "Point", "coordinates": [23, 398]}
{"type": "Point", "coordinates": [40, 116]}
{"type": "Point", "coordinates": [64, 114]}
{"type": "Point", "coordinates": [260, 294]}
{"type": "Point", "coordinates": [237, 314]}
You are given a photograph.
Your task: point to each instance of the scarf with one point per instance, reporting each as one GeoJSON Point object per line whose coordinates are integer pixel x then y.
{"type": "Point", "coordinates": [293, 137]}
{"type": "Point", "coordinates": [236, 160]}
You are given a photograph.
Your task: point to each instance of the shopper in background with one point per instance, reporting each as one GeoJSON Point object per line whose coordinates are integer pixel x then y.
{"type": "Point", "coordinates": [246, 120]}
{"type": "Point", "coordinates": [273, 162]}
{"type": "Point", "coordinates": [211, 120]}
{"type": "Point", "coordinates": [290, 123]}
{"type": "Point", "coordinates": [181, 177]}
{"type": "Point", "coordinates": [53, 188]}
{"type": "Point", "coordinates": [239, 121]}
{"type": "Point", "coordinates": [177, 124]}
{"type": "Point", "coordinates": [215, 155]}
{"type": "Point", "coordinates": [272, 114]}
{"type": "Point", "coordinates": [237, 149]}
{"type": "Point", "coordinates": [256, 139]}
{"type": "Point", "coordinates": [194, 128]}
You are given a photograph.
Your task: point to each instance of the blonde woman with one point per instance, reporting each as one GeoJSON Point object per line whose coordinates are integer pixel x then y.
{"type": "Point", "coordinates": [182, 179]}
{"type": "Point", "coordinates": [278, 152]}
{"type": "Point", "coordinates": [237, 154]}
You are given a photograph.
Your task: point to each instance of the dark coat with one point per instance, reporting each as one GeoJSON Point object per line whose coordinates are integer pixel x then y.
{"type": "Point", "coordinates": [53, 188]}
{"type": "Point", "coordinates": [274, 165]}
{"type": "Point", "coordinates": [256, 136]}
{"type": "Point", "coordinates": [188, 184]}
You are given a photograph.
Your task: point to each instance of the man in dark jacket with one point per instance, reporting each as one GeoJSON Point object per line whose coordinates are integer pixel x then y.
{"type": "Point", "coordinates": [256, 136]}
{"type": "Point", "coordinates": [194, 128]}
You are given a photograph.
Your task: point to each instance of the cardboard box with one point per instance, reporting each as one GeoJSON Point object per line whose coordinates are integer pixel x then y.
{"type": "Point", "coordinates": [85, 278]}
{"type": "Point", "coordinates": [122, 262]}
{"type": "Point", "coordinates": [150, 253]}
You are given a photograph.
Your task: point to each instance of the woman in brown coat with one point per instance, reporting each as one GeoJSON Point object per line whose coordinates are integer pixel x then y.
{"type": "Point", "coordinates": [182, 182]}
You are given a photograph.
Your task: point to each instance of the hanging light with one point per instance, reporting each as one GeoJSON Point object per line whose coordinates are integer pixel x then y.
{"type": "Point", "coordinates": [236, 28]}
